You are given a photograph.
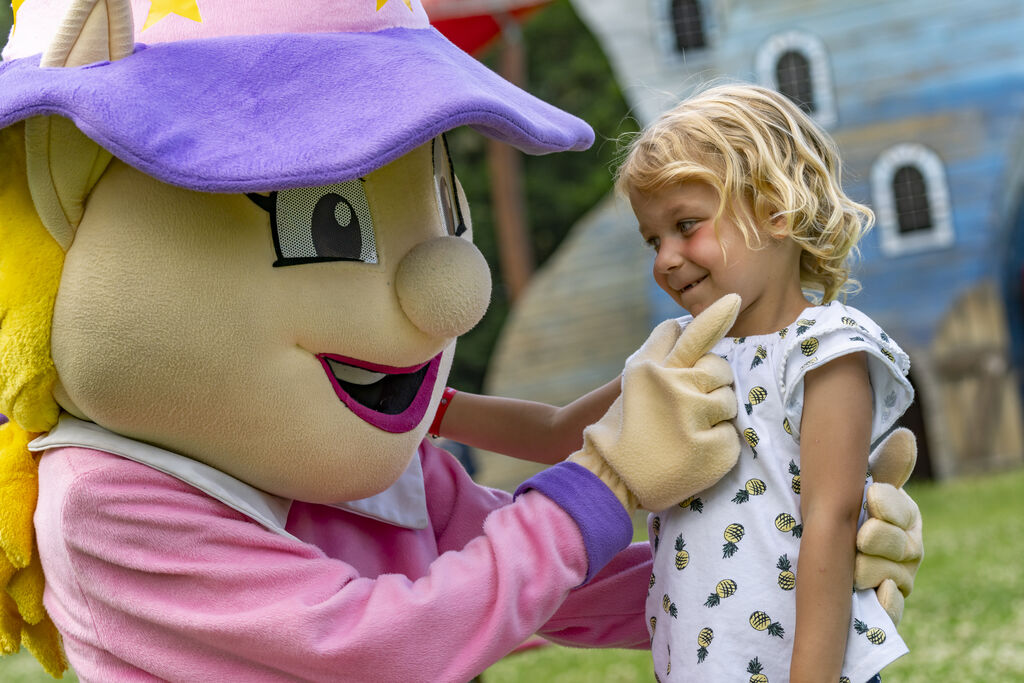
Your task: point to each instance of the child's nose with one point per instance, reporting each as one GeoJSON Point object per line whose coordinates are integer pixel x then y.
{"type": "Point", "coordinates": [669, 258]}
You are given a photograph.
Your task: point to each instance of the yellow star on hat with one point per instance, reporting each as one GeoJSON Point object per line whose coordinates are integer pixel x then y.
{"type": "Point", "coordinates": [15, 4]}
{"type": "Point", "coordinates": [381, 3]}
{"type": "Point", "coordinates": [159, 9]}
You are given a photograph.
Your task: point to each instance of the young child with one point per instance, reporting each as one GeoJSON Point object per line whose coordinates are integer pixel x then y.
{"type": "Point", "coordinates": [738, 191]}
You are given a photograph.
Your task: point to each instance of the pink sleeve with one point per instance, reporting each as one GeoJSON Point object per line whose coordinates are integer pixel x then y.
{"type": "Point", "coordinates": [178, 585]}
{"type": "Point", "coordinates": [456, 504]}
{"type": "Point", "coordinates": [609, 610]}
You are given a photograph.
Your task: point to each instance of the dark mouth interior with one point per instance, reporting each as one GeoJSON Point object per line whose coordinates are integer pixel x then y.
{"type": "Point", "coordinates": [391, 395]}
{"type": "Point", "coordinates": [693, 284]}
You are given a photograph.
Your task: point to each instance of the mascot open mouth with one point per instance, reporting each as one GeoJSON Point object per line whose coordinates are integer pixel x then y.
{"type": "Point", "coordinates": [392, 399]}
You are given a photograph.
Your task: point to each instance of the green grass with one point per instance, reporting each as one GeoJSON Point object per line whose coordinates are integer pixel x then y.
{"type": "Point", "coordinates": [964, 621]}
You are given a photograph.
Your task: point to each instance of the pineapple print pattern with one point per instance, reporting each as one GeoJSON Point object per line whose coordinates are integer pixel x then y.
{"type": "Point", "coordinates": [704, 639]}
{"type": "Point", "coordinates": [682, 556]}
{"type": "Point", "coordinates": [733, 534]}
{"type": "Point", "coordinates": [754, 668]}
{"type": "Point", "coordinates": [752, 439]}
{"type": "Point", "coordinates": [794, 483]}
{"type": "Point", "coordinates": [693, 503]}
{"type": "Point", "coordinates": [753, 487]}
{"type": "Point", "coordinates": [755, 396]}
{"type": "Point", "coordinates": [669, 606]}
{"type": "Point", "coordinates": [760, 621]}
{"type": "Point", "coordinates": [875, 635]}
{"type": "Point", "coordinates": [787, 579]}
{"type": "Point", "coordinates": [803, 325]}
{"type": "Point", "coordinates": [724, 589]}
{"type": "Point", "coordinates": [752, 513]}
{"type": "Point", "coordinates": [786, 522]}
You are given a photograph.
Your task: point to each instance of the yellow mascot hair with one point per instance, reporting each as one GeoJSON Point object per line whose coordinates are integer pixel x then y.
{"type": "Point", "coordinates": [30, 268]}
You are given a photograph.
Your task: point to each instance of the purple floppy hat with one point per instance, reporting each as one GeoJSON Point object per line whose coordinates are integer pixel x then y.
{"type": "Point", "coordinates": [258, 95]}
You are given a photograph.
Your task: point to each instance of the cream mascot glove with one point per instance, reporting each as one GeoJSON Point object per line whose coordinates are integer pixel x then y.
{"type": "Point", "coordinates": [668, 435]}
{"type": "Point", "coordinates": [890, 543]}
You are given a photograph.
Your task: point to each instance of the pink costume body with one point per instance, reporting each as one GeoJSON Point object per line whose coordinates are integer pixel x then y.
{"type": "Point", "coordinates": [150, 578]}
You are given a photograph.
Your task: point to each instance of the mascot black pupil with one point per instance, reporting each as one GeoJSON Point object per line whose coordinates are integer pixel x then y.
{"type": "Point", "coordinates": [330, 237]}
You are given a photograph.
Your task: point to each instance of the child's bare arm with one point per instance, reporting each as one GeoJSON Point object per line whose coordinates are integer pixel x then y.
{"type": "Point", "coordinates": [527, 430]}
{"type": "Point", "coordinates": [834, 443]}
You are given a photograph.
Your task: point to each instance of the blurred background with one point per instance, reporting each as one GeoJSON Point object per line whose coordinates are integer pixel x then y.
{"type": "Point", "coordinates": [926, 101]}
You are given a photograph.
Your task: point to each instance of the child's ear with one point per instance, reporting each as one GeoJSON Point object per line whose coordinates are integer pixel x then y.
{"type": "Point", "coordinates": [777, 227]}
{"type": "Point", "coordinates": [63, 164]}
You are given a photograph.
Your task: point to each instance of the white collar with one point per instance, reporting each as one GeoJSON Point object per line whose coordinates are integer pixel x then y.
{"type": "Point", "coordinates": [404, 504]}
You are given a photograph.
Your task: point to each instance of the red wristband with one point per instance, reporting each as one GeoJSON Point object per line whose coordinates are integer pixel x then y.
{"type": "Point", "coordinates": [442, 408]}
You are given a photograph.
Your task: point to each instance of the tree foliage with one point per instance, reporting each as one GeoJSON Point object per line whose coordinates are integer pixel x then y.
{"type": "Point", "coordinates": [567, 68]}
{"type": "Point", "coordinates": [6, 19]}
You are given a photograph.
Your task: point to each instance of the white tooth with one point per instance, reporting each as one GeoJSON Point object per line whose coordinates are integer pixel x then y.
{"type": "Point", "coordinates": [353, 375]}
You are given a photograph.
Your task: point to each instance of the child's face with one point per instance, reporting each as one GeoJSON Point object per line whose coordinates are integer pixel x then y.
{"type": "Point", "coordinates": [695, 266]}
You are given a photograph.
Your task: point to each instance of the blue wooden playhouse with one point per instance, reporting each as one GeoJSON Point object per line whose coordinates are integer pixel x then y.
{"type": "Point", "coordinates": [926, 100]}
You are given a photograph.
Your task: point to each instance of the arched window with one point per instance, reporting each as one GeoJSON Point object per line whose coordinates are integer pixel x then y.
{"type": "Point", "coordinates": [793, 74]}
{"type": "Point", "coordinates": [796, 64]}
{"type": "Point", "coordinates": [911, 198]}
{"type": "Point", "coordinates": [909, 191]}
{"type": "Point", "coordinates": [684, 30]}
{"type": "Point", "coordinates": [688, 25]}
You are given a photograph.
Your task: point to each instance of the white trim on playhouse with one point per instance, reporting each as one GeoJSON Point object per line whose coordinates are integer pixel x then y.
{"type": "Point", "coordinates": [813, 49]}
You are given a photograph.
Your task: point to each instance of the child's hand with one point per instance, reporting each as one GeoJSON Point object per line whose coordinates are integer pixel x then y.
{"type": "Point", "coordinates": [889, 544]}
{"type": "Point", "coordinates": [668, 435]}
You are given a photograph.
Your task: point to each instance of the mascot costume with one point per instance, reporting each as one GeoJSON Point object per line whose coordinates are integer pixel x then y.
{"type": "Point", "coordinates": [234, 260]}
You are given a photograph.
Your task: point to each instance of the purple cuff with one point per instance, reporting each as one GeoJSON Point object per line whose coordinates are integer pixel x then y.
{"type": "Point", "coordinates": [605, 525]}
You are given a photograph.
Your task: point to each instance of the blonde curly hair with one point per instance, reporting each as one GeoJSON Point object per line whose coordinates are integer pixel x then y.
{"type": "Point", "coordinates": [753, 144]}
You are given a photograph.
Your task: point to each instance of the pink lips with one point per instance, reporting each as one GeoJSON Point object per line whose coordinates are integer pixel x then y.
{"type": "Point", "coordinates": [396, 403]}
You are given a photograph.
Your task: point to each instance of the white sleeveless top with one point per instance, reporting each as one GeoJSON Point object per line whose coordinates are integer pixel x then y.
{"type": "Point", "coordinates": [722, 599]}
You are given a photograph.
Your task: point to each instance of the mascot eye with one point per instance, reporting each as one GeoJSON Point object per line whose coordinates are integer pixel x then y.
{"type": "Point", "coordinates": [312, 224]}
{"type": "Point", "coordinates": [444, 186]}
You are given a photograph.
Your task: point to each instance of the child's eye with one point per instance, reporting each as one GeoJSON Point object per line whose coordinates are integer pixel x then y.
{"type": "Point", "coordinates": [687, 225]}
{"type": "Point", "coordinates": [653, 243]}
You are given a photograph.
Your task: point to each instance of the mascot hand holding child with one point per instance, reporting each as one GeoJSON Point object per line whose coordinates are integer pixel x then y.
{"type": "Point", "coordinates": [234, 261]}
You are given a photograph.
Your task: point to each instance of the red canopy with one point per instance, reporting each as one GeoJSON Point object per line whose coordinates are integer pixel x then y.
{"type": "Point", "coordinates": [472, 24]}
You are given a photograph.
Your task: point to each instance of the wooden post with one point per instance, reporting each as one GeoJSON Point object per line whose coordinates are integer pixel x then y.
{"type": "Point", "coordinates": [505, 165]}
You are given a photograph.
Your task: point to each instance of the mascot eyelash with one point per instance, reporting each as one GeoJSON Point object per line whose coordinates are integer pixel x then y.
{"type": "Point", "coordinates": [30, 267]}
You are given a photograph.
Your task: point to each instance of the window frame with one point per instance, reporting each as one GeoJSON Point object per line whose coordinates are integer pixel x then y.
{"type": "Point", "coordinates": [813, 50]}
{"type": "Point", "coordinates": [883, 173]}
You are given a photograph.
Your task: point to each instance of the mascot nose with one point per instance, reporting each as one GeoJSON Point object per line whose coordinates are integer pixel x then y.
{"type": "Point", "coordinates": [444, 286]}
